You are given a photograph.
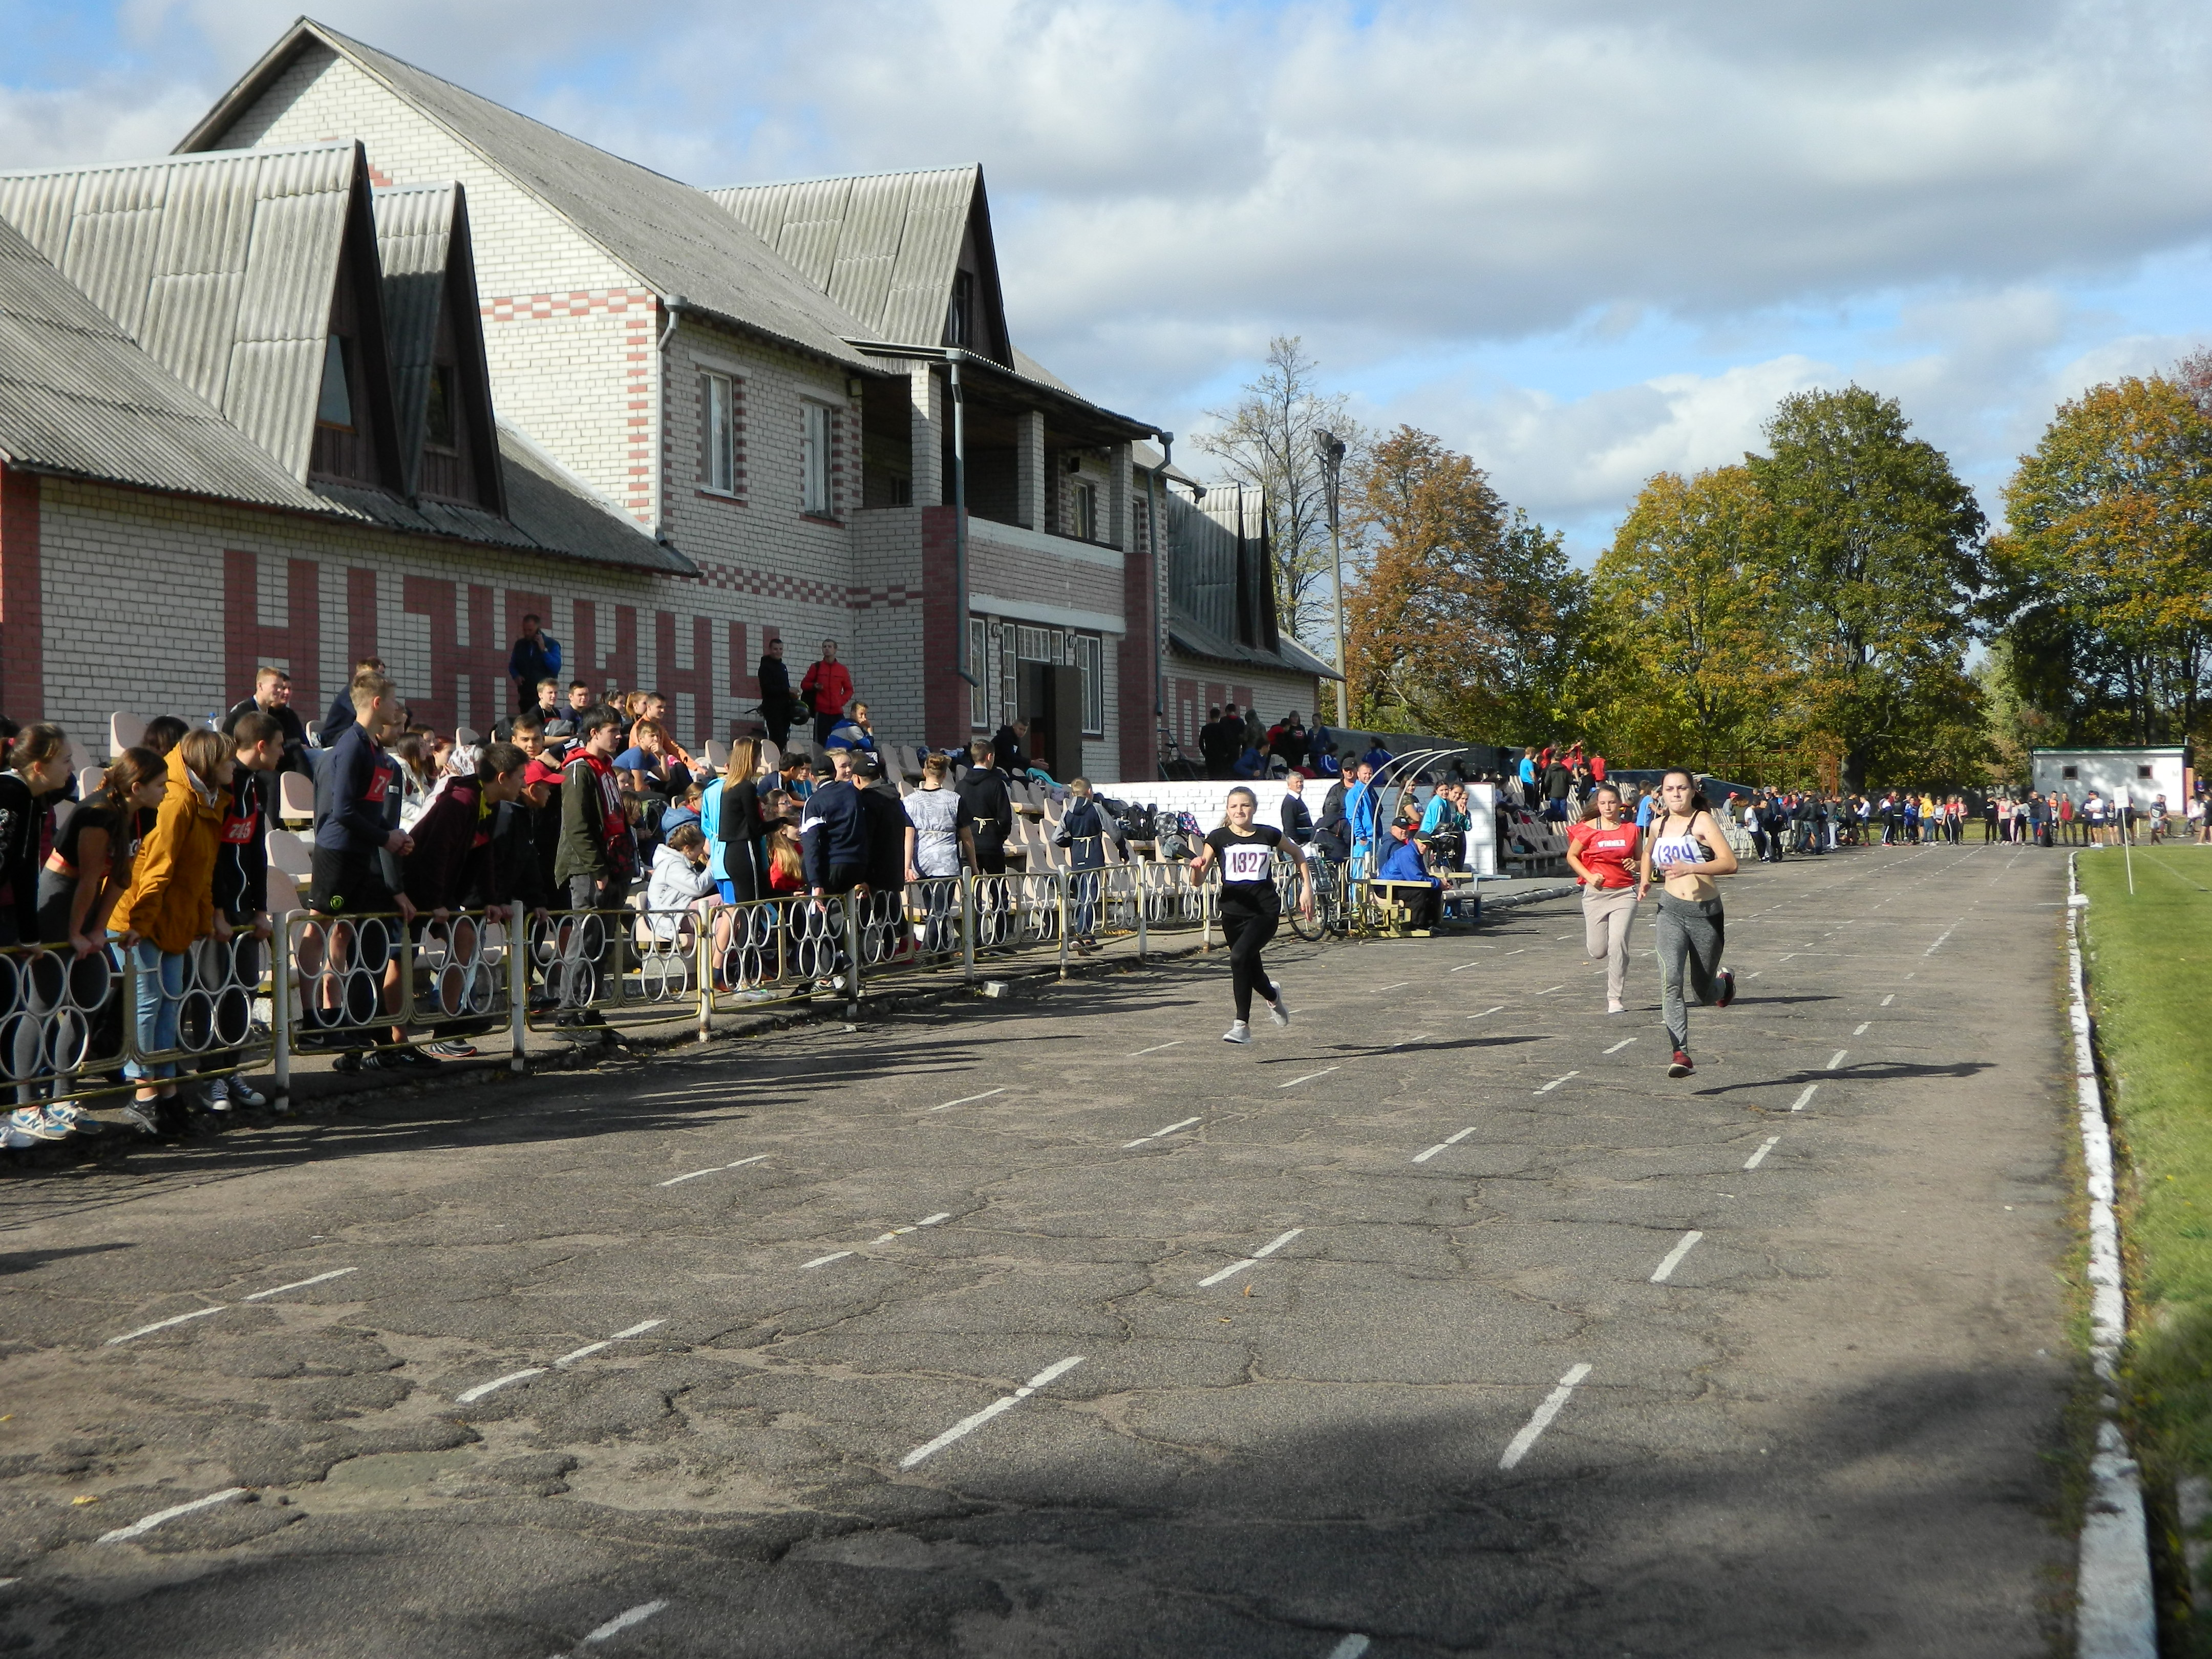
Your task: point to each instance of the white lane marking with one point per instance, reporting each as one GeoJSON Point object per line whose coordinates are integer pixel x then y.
{"type": "Point", "coordinates": [622, 1621]}
{"type": "Point", "coordinates": [1373, 990]}
{"type": "Point", "coordinates": [1548, 989]}
{"type": "Point", "coordinates": [299, 1284]}
{"type": "Point", "coordinates": [1351, 1648]}
{"type": "Point", "coordinates": [1516, 952]}
{"type": "Point", "coordinates": [1518, 1447]}
{"type": "Point", "coordinates": [926, 1221]}
{"type": "Point", "coordinates": [1665, 1270]}
{"type": "Point", "coordinates": [1158, 1133]}
{"type": "Point", "coordinates": [1618, 1046]}
{"type": "Point", "coordinates": [1154, 1049]}
{"type": "Point", "coordinates": [1487, 1012]}
{"type": "Point", "coordinates": [1805, 1099]}
{"type": "Point", "coordinates": [1308, 1077]}
{"type": "Point", "coordinates": [639, 1329]}
{"type": "Point", "coordinates": [170, 1514]}
{"type": "Point", "coordinates": [1939, 938]}
{"type": "Point", "coordinates": [1890, 997]}
{"type": "Point", "coordinates": [967, 1100]}
{"type": "Point", "coordinates": [1006, 1403]}
{"type": "Point", "coordinates": [164, 1324]}
{"type": "Point", "coordinates": [1753, 974]}
{"type": "Point", "coordinates": [824, 1260]}
{"type": "Point", "coordinates": [1464, 966]}
{"type": "Point", "coordinates": [1835, 1060]}
{"type": "Point", "coordinates": [1862, 1029]}
{"type": "Point", "coordinates": [1783, 957]}
{"type": "Point", "coordinates": [1265, 1250]}
{"type": "Point", "coordinates": [483, 1389]}
{"type": "Point", "coordinates": [1760, 1157]}
{"type": "Point", "coordinates": [756, 1158]}
{"type": "Point", "coordinates": [1452, 1140]}
{"type": "Point", "coordinates": [1555, 1083]}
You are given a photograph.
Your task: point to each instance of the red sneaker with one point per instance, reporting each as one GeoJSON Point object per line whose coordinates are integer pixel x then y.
{"type": "Point", "coordinates": [1728, 989]}
{"type": "Point", "coordinates": [1680, 1066]}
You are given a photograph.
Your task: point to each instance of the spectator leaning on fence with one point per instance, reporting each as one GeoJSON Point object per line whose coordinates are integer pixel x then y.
{"type": "Point", "coordinates": [597, 857]}
{"type": "Point", "coordinates": [90, 864]}
{"type": "Point", "coordinates": [833, 836]}
{"type": "Point", "coordinates": [987, 813]}
{"type": "Point", "coordinates": [259, 745]}
{"type": "Point", "coordinates": [38, 772]}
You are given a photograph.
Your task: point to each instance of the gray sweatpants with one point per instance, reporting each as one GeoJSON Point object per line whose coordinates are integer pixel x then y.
{"type": "Point", "coordinates": [1608, 914]}
{"type": "Point", "coordinates": [1690, 935]}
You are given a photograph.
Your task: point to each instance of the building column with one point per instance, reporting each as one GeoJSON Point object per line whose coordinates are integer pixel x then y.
{"type": "Point", "coordinates": [929, 435]}
{"type": "Point", "coordinates": [1117, 499]}
{"type": "Point", "coordinates": [23, 627]}
{"type": "Point", "coordinates": [1028, 468]}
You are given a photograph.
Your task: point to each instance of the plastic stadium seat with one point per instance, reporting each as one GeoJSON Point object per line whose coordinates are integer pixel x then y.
{"type": "Point", "coordinates": [465, 734]}
{"type": "Point", "coordinates": [125, 731]}
{"type": "Point", "coordinates": [715, 753]}
{"type": "Point", "coordinates": [88, 781]}
{"type": "Point", "coordinates": [295, 797]}
{"type": "Point", "coordinates": [289, 853]}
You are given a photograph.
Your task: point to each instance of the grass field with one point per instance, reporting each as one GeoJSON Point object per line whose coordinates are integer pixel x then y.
{"type": "Point", "coordinates": [2149, 962]}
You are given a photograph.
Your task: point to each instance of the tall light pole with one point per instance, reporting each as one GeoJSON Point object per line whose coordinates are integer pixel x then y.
{"type": "Point", "coordinates": [1330, 448]}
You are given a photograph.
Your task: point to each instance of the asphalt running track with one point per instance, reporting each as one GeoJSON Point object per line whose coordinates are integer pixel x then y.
{"type": "Point", "coordinates": [1443, 1321]}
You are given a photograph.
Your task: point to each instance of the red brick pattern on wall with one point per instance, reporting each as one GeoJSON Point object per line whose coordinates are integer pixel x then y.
{"type": "Point", "coordinates": [618, 668]}
{"type": "Point", "coordinates": [677, 682]}
{"type": "Point", "coordinates": [479, 665]}
{"type": "Point", "coordinates": [736, 579]}
{"type": "Point", "coordinates": [22, 647]}
{"type": "Point", "coordinates": [296, 645]}
{"type": "Point", "coordinates": [639, 308]}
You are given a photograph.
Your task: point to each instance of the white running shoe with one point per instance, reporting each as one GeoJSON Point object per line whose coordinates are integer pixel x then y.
{"type": "Point", "coordinates": [1276, 1011]}
{"type": "Point", "coordinates": [31, 1121]}
{"type": "Point", "coordinates": [1616, 1008]}
{"type": "Point", "coordinates": [1238, 1031]}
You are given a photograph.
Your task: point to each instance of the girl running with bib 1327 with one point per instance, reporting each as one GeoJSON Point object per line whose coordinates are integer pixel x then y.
{"type": "Point", "coordinates": [1250, 907]}
{"type": "Point", "coordinates": [1686, 850]}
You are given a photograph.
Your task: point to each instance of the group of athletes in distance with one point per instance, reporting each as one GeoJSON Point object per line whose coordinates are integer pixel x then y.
{"type": "Point", "coordinates": [1615, 861]}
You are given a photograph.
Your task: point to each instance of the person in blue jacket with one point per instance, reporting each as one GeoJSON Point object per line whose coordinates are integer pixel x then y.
{"type": "Point", "coordinates": [1360, 808]}
{"type": "Point", "coordinates": [1402, 862]}
{"type": "Point", "coordinates": [833, 835]}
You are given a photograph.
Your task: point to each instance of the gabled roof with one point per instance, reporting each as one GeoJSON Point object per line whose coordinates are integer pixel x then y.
{"type": "Point", "coordinates": [80, 397]}
{"type": "Point", "coordinates": [223, 267]}
{"type": "Point", "coordinates": [884, 245]}
{"type": "Point", "coordinates": [429, 278]}
{"type": "Point", "coordinates": [1221, 589]}
{"type": "Point", "coordinates": [668, 233]}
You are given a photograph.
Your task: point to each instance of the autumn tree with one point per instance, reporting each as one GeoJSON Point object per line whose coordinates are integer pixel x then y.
{"type": "Point", "coordinates": [1465, 616]}
{"type": "Point", "coordinates": [1266, 442]}
{"type": "Point", "coordinates": [1877, 547]}
{"type": "Point", "coordinates": [1689, 601]}
{"type": "Point", "coordinates": [2107, 574]}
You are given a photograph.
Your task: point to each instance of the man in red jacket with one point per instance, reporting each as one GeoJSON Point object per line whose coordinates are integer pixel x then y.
{"type": "Point", "coordinates": [826, 689]}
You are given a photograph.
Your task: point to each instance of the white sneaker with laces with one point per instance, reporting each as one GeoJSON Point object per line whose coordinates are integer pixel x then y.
{"type": "Point", "coordinates": [1238, 1031]}
{"type": "Point", "coordinates": [218, 1094]}
{"type": "Point", "coordinates": [31, 1121]}
{"type": "Point", "coordinates": [1276, 1011]}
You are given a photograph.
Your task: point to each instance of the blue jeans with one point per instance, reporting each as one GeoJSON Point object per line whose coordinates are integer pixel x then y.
{"type": "Point", "coordinates": [161, 977]}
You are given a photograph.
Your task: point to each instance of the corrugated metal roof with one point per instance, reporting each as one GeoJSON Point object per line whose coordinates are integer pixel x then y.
{"type": "Point", "coordinates": [674, 240]}
{"type": "Point", "coordinates": [1221, 583]}
{"type": "Point", "coordinates": [414, 238]}
{"type": "Point", "coordinates": [884, 245]}
{"type": "Point", "coordinates": [221, 266]}
{"type": "Point", "coordinates": [79, 396]}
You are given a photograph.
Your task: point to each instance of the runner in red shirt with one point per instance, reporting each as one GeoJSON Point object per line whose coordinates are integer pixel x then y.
{"type": "Point", "coordinates": [1602, 851]}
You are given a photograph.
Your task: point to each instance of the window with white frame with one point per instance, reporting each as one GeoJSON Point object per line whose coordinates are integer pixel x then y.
{"type": "Point", "coordinates": [1090, 657]}
{"type": "Point", "coordinates": [718, 433]}
{"type": "Point", "coordinates": [814, 460]}
{"type": "Point", "coordinates": [1082, 511]}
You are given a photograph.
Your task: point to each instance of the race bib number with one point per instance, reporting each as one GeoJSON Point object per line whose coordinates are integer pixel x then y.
{"type": "Point", "coordinates": [1253, 863]}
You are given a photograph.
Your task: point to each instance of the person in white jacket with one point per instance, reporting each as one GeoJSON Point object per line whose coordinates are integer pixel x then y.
{"type": "Point", "coordinates": [679, 881]}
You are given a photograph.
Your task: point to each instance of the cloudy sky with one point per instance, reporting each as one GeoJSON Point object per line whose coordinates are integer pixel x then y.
{"type": "Point", "coordinates": [1583, 240]}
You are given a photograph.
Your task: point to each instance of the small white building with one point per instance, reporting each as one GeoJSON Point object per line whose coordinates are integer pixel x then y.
{"type": "Point", "coordinates": [2145, 773]}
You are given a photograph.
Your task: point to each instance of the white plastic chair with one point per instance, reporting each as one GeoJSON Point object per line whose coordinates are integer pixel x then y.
{"type": "Point", "coordinates": [295, 797]}
{"type": "Point", "coordinates": [465, 735]}
{"type": "Point", "coordinates": [715, 753]}
{"type": "Point", "coordinates": [88, 781]}
{"type": "Point", "coordinates": [125, 731]}
{"type": "Point", "coordinates": [291, 855]}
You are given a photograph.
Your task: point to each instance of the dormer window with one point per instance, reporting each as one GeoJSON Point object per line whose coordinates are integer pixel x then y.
{"type": "Point", "coordinates": [955, 317]}
{"type": "Point", "coordinates": [335, 407]}
{"type": "Point", "coordinates": [438, 412]}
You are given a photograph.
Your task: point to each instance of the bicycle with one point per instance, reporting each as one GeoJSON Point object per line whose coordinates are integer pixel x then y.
{"type": "Point", "coordinates": [1328, 908]}
{"type": "Point", "coordinates": [1176, 767]}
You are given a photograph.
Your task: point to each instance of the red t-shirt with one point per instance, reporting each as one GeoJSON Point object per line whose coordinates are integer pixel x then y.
{"type": "Point", "coordinates": [1608, 855]}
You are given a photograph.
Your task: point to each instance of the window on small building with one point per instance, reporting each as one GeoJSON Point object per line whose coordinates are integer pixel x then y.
{"type": "Point", "coordinates": [2070, 773]}
{"type": "Point", "coordinates": [718, 433]}
{"type": "Point", "coordinates": [1090, 657]}
{"type": "Point", "coordinates": [335, 406]}
{"type": "Point", "coordinates": [438, 411]}
{"type": "Point", "coordinates": [979, 695]}
{"type": "Point", "coordinates": [814, 461]}
{"type": "Point", "coordinates": [956, 315]}
{"type": "Point", "coordinates": [1082, 511]}
{"type": "Point", "coordinates": [2143, 771]}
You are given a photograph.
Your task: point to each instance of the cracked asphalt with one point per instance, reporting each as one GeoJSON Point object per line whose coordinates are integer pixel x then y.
{"type": "Point", "coordinates": [1829, 1429]}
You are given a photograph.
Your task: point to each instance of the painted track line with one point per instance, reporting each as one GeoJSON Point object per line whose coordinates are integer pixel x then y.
{"type": "Point", "coordinates": [1862, 1029]}
{"type": "Point", "coordinates": [1548, 989]}
{"type": "Point", "coordinates": [926, 1221]}
{"type": "Point", "coordinates": [147, 1525]}
{"type": "Point", "coordinates": [1553, 1403]}
{"type": "Point", "coordinates": [756, 1158]}
{"type": "Point", "coordinates": [1006, 1403]}
{"type": "Point", "coordinates": [1555, 1083]}
{"type": "Point", "coordinates": [1170, 1043]}
{"type": "Point", "coordinates": [1618, 1046]}
{"type": "Point", "coordinates": [967, 1100]}
{"type": "Point", "coordinates": [1487, 1012]}
{"type": "Point", "coordinates": [824, 1260]}
{"type": "Point", "coordinates": [622, 1621]}
{"type": "Point", "coordinates": [1157, 1134]}
{"type": "Point", "coordinates": [1835, 1060]}
{"type": "Point", "coordinates": [1665, 1270]}
{"type": "Point", "coordinates": [1378, 990]}
{"type": "Point", "coordinates": [1760, 1157]}
{"type": "Point", "coordinates": [1308, 1077]}
{"type": "Point", "coordinates": [1805, 1099]}
{"type": "Point", "coordinates": [1945, 934]}
{"type": "Point", "coordinates": [471, 1395]}
{"type": "Point", "coordinates": [299, 1284]}
{"type": "Point", "coordinates": [1423, 1157]}
{"type": "Point", "coordinates": [1351, 1648]}
{"type": "Point", "coordinates": [639, 1329]}
{"type": "Point", "coordinates": [1264, 1251]}
{"type": "Point", "coordinates": [1890, 997]}
{"type": "Point", "coordinates": [164, 1324]}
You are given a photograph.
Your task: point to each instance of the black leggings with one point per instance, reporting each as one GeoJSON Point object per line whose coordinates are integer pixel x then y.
{"type": "Point", "coordinates": [1247, 927]}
